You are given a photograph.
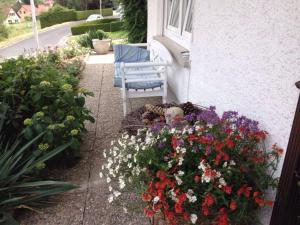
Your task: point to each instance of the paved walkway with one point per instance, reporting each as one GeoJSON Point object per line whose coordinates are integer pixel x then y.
{"type": "Point", "coordinates": [88, 204]}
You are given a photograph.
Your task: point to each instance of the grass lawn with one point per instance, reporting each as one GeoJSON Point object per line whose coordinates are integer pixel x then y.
{"type": "Point", "coordinates": [21, 28]}
{"type": "Point", "coordinates": [118, 34]}
{"type": "Point", "coordinates": [17, 31]}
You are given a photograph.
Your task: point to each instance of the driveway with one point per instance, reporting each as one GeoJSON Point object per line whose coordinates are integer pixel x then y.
{"type": "Point", "coordinates": [52, 37]}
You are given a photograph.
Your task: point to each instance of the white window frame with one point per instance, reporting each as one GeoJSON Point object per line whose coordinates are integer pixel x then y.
{"type": "Point", "coordinates": [179, 35]}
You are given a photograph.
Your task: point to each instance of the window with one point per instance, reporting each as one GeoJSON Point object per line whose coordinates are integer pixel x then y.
{"type": "Point", "coordinates": [179, 21]}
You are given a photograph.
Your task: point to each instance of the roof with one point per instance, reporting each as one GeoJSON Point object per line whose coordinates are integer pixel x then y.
{"type": "Point", "coordinates": [17, 6]}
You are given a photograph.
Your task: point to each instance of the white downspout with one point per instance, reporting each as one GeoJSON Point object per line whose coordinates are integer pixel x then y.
{"type": "Point", "coordinates": [34, 26]}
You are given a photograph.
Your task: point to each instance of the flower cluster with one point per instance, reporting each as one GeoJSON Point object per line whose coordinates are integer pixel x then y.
{"type": "Point", "coordinates": [204, 169]}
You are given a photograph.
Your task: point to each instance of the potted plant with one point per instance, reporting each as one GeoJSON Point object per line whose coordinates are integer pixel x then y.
{"type": "Point", "coordinates": [203, 169]}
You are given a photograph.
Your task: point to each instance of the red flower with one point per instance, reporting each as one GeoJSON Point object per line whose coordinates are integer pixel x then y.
{"type": "Point", "coordinates": [222, 218]}
{"type": "Point", "coordinates": [208, 200]}
{"type": "Point", "coordinates": [205, 210]}
{"type": "Point", "coordinates": [182, 198]}
{"type": "Point", "coordinates": [269, 203]}
{"type": "Point", "coordinates": [259, 202]}
{"type": "Point", "coordinates": [174, 142]}
{"type": "Point", "coordinates": [232, 205]}
{"type": "Point", "coordinates": [186, 216]}
{"type": "Point", "coordinates": [192, 137]}
{"type": "Point", "coordinates": [229, 143]}
{"type": "Point", "coordinates": [146, 197]}
{"type": "Point", "coordinates": [148, 212]}
{"type": "Point", "coordinates": [169, 215]}
{"type": "Point", "coordinates": [178, 208]}
{"type": "Point", "coordinates": [245, 191]}
{"type": "Point", "coordinates": [227, 189]}
{"type": "Point", "coordinates": [157, 206]}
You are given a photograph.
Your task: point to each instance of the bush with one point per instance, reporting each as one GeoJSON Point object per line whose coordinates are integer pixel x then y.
{"type": "Point", "coordinates": [105, 25]}
{"type": "Point", "coordinates": [82, 15]}
{"type": "Point", "coordinates": [86, 40]}
{"type": "Point", "coordinates": [18, 187]}
{"type": "Point", "coordinates": [135, 17]}
{"type": "Point", "coordinates": [202, 169]}
{"type": "Point", "coordinates": [3, 32]}
{"type": "Point", "coordinates": [57, 15]}
{"type": "Point", "coordinates": [43, 97]}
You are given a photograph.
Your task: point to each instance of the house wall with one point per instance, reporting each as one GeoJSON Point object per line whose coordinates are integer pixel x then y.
{"type": "Point", "coordinates": [14, 18]}
{"type": "Point", "coordinates": [246, 57]}
{"type": "Point", "coordinates": [178, 77]}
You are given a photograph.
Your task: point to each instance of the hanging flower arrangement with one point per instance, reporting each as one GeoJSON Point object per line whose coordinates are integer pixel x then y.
{"type": "Point", "coordinates": [204, 169]}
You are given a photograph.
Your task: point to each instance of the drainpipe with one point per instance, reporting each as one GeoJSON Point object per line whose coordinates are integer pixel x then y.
{"type": "Point", "coordinates": [34, 27]}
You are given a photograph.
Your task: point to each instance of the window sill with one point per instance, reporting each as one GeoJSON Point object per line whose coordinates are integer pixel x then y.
{"type": "Point", "coordinates": [180, 54]}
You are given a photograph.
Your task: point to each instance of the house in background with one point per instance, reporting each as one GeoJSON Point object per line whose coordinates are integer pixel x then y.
{"type": "Point", "coordinates": [19, 11]}
{"type": "Point", "coordinates": [241, 55]}
{"type": "Point", "coordinates": [12, 17]}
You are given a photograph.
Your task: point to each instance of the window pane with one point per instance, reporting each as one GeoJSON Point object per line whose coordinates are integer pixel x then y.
{"type": "Point", "coordinates": [174, 15]}
{"type": "Point", "coordinates": [189, 19]}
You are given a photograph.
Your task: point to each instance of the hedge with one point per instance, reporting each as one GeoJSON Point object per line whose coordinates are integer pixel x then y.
{"type": "Point", "coordinates": [82, 15]}
{"type": "Point", "coordinates": [107, 27]}
{"type": "Point", "coordinates": [50, 19]}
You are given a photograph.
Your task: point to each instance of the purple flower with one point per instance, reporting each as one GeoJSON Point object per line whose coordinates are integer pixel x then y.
{"type": "Point", "coordinates": [209, 116]}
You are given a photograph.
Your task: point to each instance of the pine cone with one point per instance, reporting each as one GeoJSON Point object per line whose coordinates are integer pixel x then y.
{"type": "Point", "coordinates": [188, 108]}
{"type": "Point", "coordinates": [155, 109]}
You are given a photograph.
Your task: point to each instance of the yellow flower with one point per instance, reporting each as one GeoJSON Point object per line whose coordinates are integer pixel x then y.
{"type": "Point", "coordinates": [67, 87]}
{"type": "Point", "coordinates": [40, 165]}
{"type": "Point", "coordinates": [51, 127]}
{"type": "Point", "coordinates": [45, 83]}
{"type": "Point", "coordinates": [28, 122]}
{"type": "Point", "coordinates": [74, 132]}
{"type": "Point", "coordinates": [40, 114]}
{"type": "Point", "coordinates": [43, 147]}
{"type": "Point", "coordinates": [70, 118]}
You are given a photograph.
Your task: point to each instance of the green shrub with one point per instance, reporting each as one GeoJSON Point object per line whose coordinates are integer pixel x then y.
{"type": "Point", "coordinates": [82, 15]}
{"type": "Point", "coordinates": [18, 187]}
{"type": "Point", "coordinates": [57, 15]}
{"type": "Point", "coordinates": [3, 32]}
{"type": "Point", "coordinates": [135, 17]}
{"type": "Point", "coordinates": [86, 40]}
{"type": "Point", "coordinates": [105, 26]}
{"type": "Point", "coordinates": [43, 97]}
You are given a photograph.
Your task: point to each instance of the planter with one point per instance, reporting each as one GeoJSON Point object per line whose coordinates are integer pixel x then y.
{"type": "Point", "coordinates": [101, 46]}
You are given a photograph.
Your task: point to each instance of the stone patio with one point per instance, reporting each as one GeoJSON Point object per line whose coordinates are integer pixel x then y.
{"type": "Point", "coordinates": [88, 204]}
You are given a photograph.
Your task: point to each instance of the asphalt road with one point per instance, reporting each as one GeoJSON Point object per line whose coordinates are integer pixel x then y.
{"type": "Point", "coordinates": [52, 37]}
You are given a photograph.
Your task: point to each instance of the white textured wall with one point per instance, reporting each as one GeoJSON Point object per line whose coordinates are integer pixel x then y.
{"type": "Point", "coordinates": [246, 57]}
{"type": "Point", "coordinates": [178, 77]}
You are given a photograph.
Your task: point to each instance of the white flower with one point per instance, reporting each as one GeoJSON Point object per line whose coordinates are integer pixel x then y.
{"type": "Point", "coordinates": [110, 188]}
{"type": "Point", "coordinates": [179, 181]}
{"type": "Point", "coordinates": [180, 173]}
{"type": "Point", "coordinates": [222, 181]}
{"type": "Point", "coordinates": [156, 200]}
{"type": "Point", "coordinates": [193, 199]}
{"type": "Point", "coordinates": [191, 131]}
{"type": "Point", "coordinates": [170, 164]}
{"type": "Point", "coordinates": [110, 198]}
{"type": "Point", "coordinates": [125, 210]}
{"type": "Point", "coordinates": [129, 156]}
{"type": "Point", "coordinates": [193, 218]}
{"type": "Point", "coordinates": [104, 154]}
{"type": "Point", "coordinates": [232, 163]}
{"type": "Point", "coordinates": [183, 150]}
{"type": "Point", "coordinates": [117, 193]}
{"type": "Point", "coordinates": [210, 125]}
{"type": "Point", "coordinates": [100, 174]}
{"type": "Point", "coordinates": [225, 164]}
{"type": "Point", "coordinates": [129, 165]}
{"type": "Point", "coordinates": [122, 185]}
{"type": "Point", "coordinates": [108, 180]}
{"type": "Point", "coordinates": [180, 160]}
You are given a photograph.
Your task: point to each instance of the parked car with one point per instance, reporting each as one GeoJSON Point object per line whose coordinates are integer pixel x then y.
{"type": "Point", "coordinates": [94, 17]}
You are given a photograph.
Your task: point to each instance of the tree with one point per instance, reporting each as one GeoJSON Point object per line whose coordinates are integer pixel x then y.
{"type": "Point", "coordinates": [135, 16]}
{"type": "Point", "coordinates": [36, 2]}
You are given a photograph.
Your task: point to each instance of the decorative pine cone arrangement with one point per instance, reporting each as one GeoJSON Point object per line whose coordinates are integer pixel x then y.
{"type": "Point", "coordinates": [189, 108]}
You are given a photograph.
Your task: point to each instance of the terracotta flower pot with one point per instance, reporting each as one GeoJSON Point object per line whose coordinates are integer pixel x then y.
{"type": "Point", "coordinates": [101, 46]}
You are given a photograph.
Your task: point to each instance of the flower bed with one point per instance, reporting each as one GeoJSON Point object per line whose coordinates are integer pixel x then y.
{"type": "Point", "coordinates": [204, 169]}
